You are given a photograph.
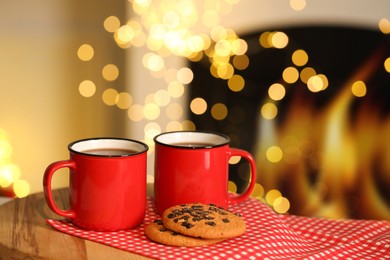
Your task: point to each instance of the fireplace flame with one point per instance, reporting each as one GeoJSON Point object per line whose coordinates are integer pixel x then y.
{"type": "Point", "coordinates": [335, 163]}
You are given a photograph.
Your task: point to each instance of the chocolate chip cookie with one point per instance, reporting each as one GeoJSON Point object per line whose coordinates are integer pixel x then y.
{"type": "Point", "coordinates": [205, 221]}
{"type": "Point", "coordinates": [156, 231]}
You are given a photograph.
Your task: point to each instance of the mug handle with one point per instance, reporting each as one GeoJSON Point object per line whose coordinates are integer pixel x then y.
{"type": "Point", "coordinates": [246, 155]}
{"type": "Point", "coordinates": [47, 187]}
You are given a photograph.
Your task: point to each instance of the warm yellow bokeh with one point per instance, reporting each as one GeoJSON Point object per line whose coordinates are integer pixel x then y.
{"type": "Point", "coordinates": [290, 75]}
{"type": "Point", "coordinates": [300, 58]}
{"type": "Point", "coordinates": [298, 5]}
{"type": "Point", "coordinates": [276, 91]}
{"type": "Point", "coordinates": [359, 88]}
{"type": "Point", "coordinates": [198, 106]}
{"type": "Point", "coordinates": [219, 111]}
{"type": "Point", "coordinates": [269, 111]}
{"type": "Point", "coordinates": [87, 88]}
{"type": "Point", "coordinates": [274, 154]}
{"type": "Point", "coordinates": [85, 52]}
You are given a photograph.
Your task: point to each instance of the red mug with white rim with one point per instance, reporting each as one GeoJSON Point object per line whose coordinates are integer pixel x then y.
{"type": "Point", "coordinates": [192, 166]}
{"type": "Point", "coordinates": [107, 178]}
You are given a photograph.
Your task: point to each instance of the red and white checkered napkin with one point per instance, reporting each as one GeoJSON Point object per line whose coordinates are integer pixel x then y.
{"type": "Point", "coordinates": [268, 236]}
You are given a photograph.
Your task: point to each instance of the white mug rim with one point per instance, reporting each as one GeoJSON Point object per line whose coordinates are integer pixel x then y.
{"type": "Point", "coordinates": [219, 139]}
{"type": "Point", "coordinates": [80, 146]}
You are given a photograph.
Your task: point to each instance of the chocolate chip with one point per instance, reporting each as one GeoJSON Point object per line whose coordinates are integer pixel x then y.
{"type": "Point", "coordinates": [196, 219]}
{"type": "Point", "coordinates": [171, 215]}
{"type": "Point", "coordinates": [212, 208]}
{"type": "Point", "coordinates": [177, 212]}
{"type": "Point", "coordinates": [163, 229]}
{"type": "Point", "coordinates": [185, 210]}
{"type": "Point", "coordinates": [175, 233]}
{"type": "Point", "coordinates": [158, 221]}
{"type": "Point", "coordinates": [187, 225]}
{"type": "Point", "coordinates": [220, 212]}
{"type": "Point", "coordinates": [211, 223]}
{"type": "Point", "coordinates": [225, 220]}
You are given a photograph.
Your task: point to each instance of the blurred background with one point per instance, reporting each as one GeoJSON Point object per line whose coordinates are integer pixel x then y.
{"type": "Point", "coordinates": [302, 85]}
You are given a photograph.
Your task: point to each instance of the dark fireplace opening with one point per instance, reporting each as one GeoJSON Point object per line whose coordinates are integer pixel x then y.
{"type": "Point", "coordinates": [334, 142]}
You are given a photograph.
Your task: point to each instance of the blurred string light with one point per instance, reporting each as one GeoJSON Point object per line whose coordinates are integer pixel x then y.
{"type": "Point", "coordinates": [384, 27]}
{"type": "Point", "coordinates": [359, 88]}
{"type": "Point", "coordinates": [10, 173]}
{"type": "Point", "coordinates": [298, 5]}
{"type": "Point", "coordinates": [387, 64]}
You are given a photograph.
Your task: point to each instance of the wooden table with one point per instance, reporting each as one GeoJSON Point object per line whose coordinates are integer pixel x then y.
{"type": "Point", "coordinates": [24, 233]}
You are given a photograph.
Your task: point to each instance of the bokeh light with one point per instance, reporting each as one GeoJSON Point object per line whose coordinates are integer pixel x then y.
{"type": "Point", "coordinates": [387, 64]}
{"type": "Point", "coordinates": [281, 205]}
{"type": "Point", "coordinates": [272, 195]}
{"type": "Point", "coordinates": [111, 24]}
{"type": "Point", "coordinates": [269, 111]}
{"type": "Point", "coordinates": [185, 75]}
{"type": "Point", "coordinates": [11, 173]}
{"type": "Point", "coordinates": [241, 62]}
{"type": "Point", "coordinates": [236, 83]}
{"type": "Point", "coordinates": [298, 5]}
{"type": "Point", "coordinates": [234, 159]}
{"type": "Point", "coordinates": [85, 52]}
{"type": "Point", "coordinates": [290, 75]}
{"type": "Point", "coordinates": [258, 191]}
{"type": "Point", "coordinates": [279, 40]}
{"type": "Point", "coordinates": [175, 89]}
{"type": "Point", "coordinates": [276, 91]}
{"type": "Point", "coordinates": [123, 100]}
{"type": "Point", "coordinates": [174, 126]}
{"type": "Point", "coordinates": [384, 26]}
{"type": "Point", "coordinates": [110, 96]}
{"type": "Point", "coordinates": [300, 58]}
{"type": "Point", "coordinates": [153, 62]}
{"type": "Point", "coordinates": [359, 88]}
{"type": "Point", "coordinates": [198, 106]}
{"type": "Point", "coordinates": [274, 154]}
{"type": "Point", "coordinates": [265, 39]}
{"type": "Point", "coordinates": [315, 84]}
{"type": "Point", "coordinates": [5, 150]}
{"type": "Point", "coordinates": [219, 111]}
{"type": "Point", "coordinates": [306, 74]}
{"type": "Point", "coordinates": [135, 112]}
{"type": "Point", "coordinates": [21, 188]}
{"type": "Point", "coordinates": [232, 187]}
{"type": "Point", "coordinates": [110, 72]}
{"type": "Point", "coordinates": [87, 88]}
{"type": "Point", "coordinates": [151, 111]}
{"type": "Point", "coordinates": [162, 97]}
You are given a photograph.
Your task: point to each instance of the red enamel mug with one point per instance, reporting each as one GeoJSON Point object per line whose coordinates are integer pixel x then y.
{"type": "Point", "coordinates": [107, 178]}
{"type": "Point", "coordinates": [192, 166]}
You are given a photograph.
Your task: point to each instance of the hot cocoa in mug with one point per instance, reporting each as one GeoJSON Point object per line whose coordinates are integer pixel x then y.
{"type": "Point", "coordinates": [193, 166]}
{"type": "Point", "coordinates": [107, 178]}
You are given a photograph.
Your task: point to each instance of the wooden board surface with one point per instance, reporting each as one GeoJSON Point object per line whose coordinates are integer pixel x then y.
{"type": "Point", "coordinates": [24, 233]}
